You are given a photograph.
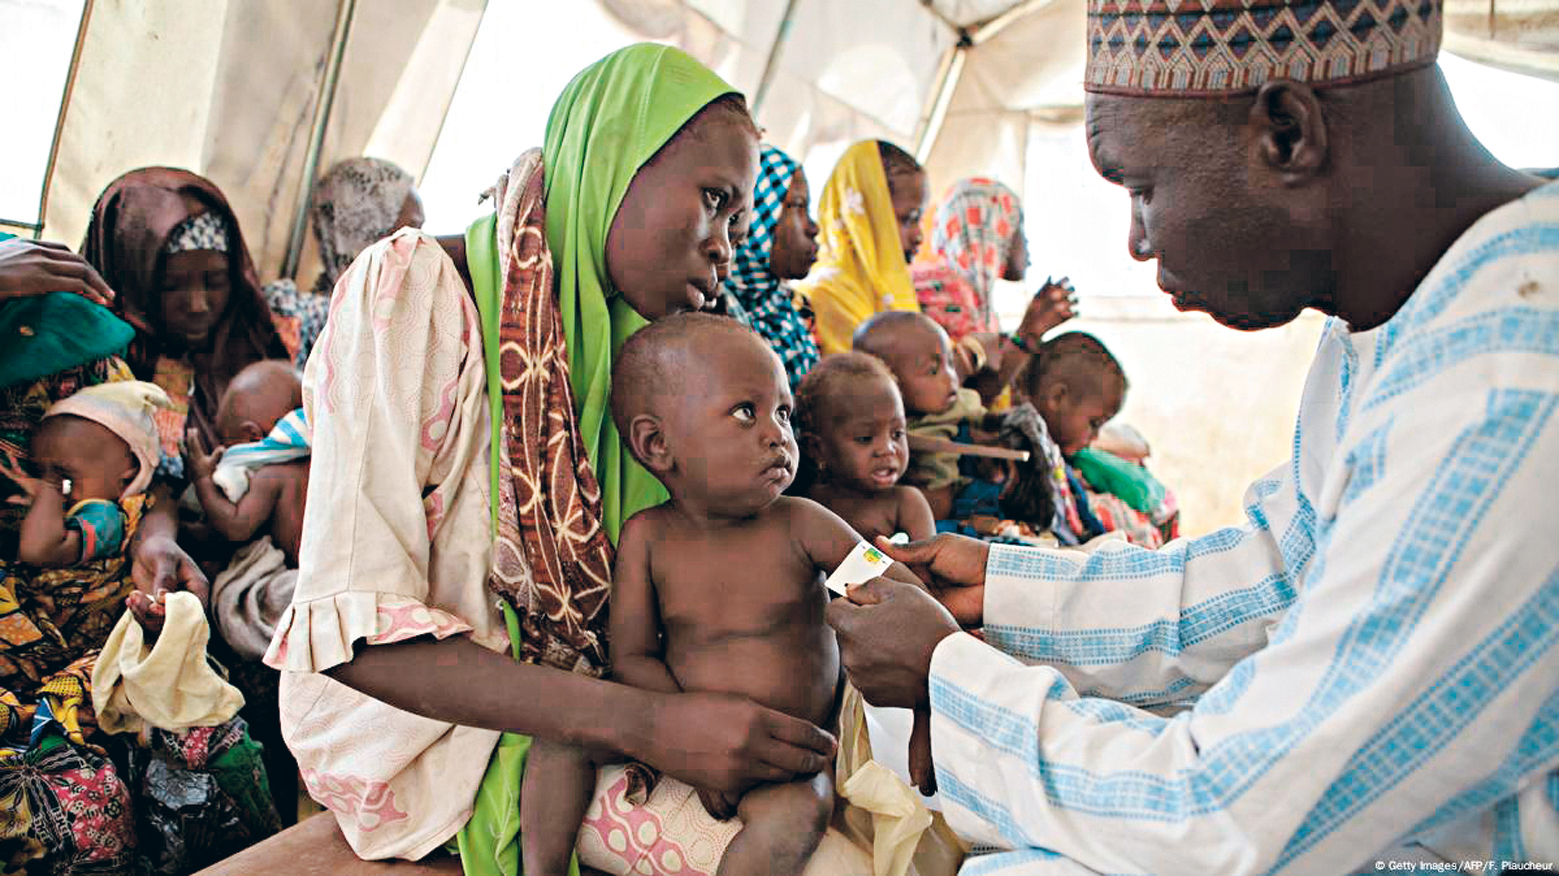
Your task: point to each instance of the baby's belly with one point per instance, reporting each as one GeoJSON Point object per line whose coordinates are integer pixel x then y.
{"type": "Point", "coordinates": [794, 673]}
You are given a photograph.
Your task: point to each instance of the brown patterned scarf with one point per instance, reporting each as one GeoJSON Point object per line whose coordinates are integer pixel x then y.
{"type": "Point", "coordinates": [550, 502]}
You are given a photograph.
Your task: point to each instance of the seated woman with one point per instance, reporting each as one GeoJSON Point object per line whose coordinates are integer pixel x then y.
{"type": "Point", "coordinates": [870, 217]}
{"type": "Point", "coordinates": [356, 202]}
{"type": "Point", "coordinates": [781, 244]}
{"type": "Point", "coordinates": [92, 800]}
{"type": "Point", "coordinates": [977, 236]}
{"type": "Point", "coordinates": [169, 245]}
{"type": "Point", "coordinates": [463, 505]}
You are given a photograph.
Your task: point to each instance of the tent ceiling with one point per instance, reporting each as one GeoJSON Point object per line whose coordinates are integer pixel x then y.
{"type": "Point", "coordinates": [230, 87]}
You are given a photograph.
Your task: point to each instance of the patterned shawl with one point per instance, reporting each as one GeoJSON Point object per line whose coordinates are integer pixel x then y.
{"type": "Point", "coordinates": [355, 204]}
{"type": "Point", "coordinates": [767, 304]}
{"type": "Point", "coordinates": [972, 235]}
{"type": "Point", "coordinates": [860, 269]}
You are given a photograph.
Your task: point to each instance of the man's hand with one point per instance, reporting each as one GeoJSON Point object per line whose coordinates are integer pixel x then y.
{"type": "Point", "coordinates": [887, 632]}
{"type": "Point", "coordinates": [31, 267]}
{"type": "Point", "coordinates": [953, 566]}
{"type": "Point", "coordinates": [922, 767]}
{"type": "Point", "coordinates": [160, 567]}
{"type": "Point", "coordinates": [726, 743]}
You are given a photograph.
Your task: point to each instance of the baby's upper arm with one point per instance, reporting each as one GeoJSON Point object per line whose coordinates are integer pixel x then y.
{"type": "Point", "coordinates": [914, 517]}
{"type": "Point", "coordinates": [824, 535]}
{"type": "Point", "coordinates": [635, 615]}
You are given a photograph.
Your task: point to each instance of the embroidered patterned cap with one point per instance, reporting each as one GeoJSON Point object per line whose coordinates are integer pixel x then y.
{"type": "Point", "coordinates": [203, 231]}
{"type": "Point", "coordinates": [1211, 48]}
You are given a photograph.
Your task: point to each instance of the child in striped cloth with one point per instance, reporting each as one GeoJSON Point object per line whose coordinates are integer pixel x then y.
{"type": "Point", "coordinates": [256, 482]}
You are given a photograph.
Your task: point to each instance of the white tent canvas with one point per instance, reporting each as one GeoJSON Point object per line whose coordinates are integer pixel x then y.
{"type": "Point", "coordinates": [262, 95]}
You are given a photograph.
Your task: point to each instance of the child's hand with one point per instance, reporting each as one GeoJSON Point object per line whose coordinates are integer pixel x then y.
{"type": "Point", "coordinates": [200, 462]}
{"type": "Point", "coordinates": [719, 804]}
{"type": "Point", "coordinates": [1052, 305]}
{"type": "Point", "coordinates": [921, 769]}
{"type": "Point", "coordinates": [30, 486]}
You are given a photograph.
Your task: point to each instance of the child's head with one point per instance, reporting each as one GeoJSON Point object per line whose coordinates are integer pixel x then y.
{"type": "Point", "coordinates": [103, 439]}
{"type": "Point", "coordinates": [255, 399]}
{"type": "Point", "coordinates": [704, 404]}
{"type": "Point", "coordinates": [851, 418]}
{"type": "Point", "coordinates": [907, 189]}
{"type": "Point", "coordinates": [918, 353]}
{"type": "Point", "coordinates": [1077, 386]}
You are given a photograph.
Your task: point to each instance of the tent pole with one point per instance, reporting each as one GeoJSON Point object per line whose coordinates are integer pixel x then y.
{"type": "Point", "coordinates": [59, 121]}
{"type": "Point", "coordinates": [771, 63]}
{"type": "Point", "coordinates": [944, 96]}
{"type": "Point", "coordinates": [998, 24]}
{"type": "Point", "coordinates": [345, 9]}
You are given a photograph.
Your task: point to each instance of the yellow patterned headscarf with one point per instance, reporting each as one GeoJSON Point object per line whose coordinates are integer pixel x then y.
{"type": "Point", "coordinates": [861, 269]}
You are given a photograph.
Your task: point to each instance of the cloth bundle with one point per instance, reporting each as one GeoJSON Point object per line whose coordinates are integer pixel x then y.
{"type": "Point", "coordinates": [168, 684]}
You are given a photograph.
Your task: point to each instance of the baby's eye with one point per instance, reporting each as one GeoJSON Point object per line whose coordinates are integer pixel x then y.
{"type": "Point", "coordinates": [863, 439]}
{"type": "Point", "coordinates": [898, 434]}
{"type": "Point", "coordinates": [715, 199]}
{"type": "Point", "coordinates": [784, 415]}
{"type": "Point", "coordinates": [745, 412]}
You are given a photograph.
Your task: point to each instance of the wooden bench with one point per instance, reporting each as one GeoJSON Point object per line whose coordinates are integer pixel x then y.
{"type": "Point", "coordinates": [316, 846]}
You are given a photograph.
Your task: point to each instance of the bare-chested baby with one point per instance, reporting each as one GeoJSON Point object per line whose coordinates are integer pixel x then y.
{"type": "Point", "coordinates": [721, 587]}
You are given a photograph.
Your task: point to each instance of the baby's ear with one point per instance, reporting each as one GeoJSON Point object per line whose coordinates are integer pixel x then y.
{"type": "Point", "coordinates": [811, 447]}
{"type": "Point", "coordinates": [252, 431]}
{"type": "Point", "coordinates": [647, 440]}
{"type": "Point", "coordinates": [1052, 396]}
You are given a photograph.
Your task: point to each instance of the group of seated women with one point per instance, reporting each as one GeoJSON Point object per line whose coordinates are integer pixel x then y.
{"type": "Point", "coordinates": [180, 642]}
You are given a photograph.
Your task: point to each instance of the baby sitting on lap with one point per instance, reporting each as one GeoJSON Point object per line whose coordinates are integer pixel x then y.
{"type": "Point", "coordinates": [257, 481]}
{"type": "Point", "coordinates": [919, 354]}
{"type": "Point", "coordinates": [718, 589]}
{"type": "Point", "coordinates": [95, 451]}
{"type": "Point", "coordinates": [850, 419]}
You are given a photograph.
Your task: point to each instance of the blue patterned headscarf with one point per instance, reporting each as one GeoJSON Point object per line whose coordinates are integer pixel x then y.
{"type": "Point", "coordinates": [768, 305]}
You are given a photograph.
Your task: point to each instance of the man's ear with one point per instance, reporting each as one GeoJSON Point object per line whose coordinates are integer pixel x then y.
{"type": "Point", "coordinates": [1290, 130]}
{"type": "Point", "coordinates": [648, 441]}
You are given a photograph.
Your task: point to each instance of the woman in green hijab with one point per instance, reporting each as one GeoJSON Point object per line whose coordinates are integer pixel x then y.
{"type": "Point", "coordinates": [468, 485]}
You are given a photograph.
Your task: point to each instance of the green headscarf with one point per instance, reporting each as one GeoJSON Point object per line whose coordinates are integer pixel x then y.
{"type": "Point", "coordinates": [608, 122]}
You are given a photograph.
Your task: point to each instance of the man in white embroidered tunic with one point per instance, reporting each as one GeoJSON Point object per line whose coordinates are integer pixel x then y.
{"type": "Point", "coordinates": [1370, 660]}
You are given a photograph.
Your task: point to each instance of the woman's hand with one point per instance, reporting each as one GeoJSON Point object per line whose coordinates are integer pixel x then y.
{"type": "Point", "coordinates": [160, 567]}
{"type": "Point", "coordinates": [32, 267]}
{"type": "Point", "coordinates": [888, 631]}
{"type": "Point", "coordinates": [1053, 304]}
{"type": "Point", "coordinates": [726, 743]}
{"type": "Point", "coordinates": [953, 566]}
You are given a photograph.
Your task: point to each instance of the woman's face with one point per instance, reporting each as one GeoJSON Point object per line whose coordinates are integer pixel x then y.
{"type": "Point", "coordinates": [1017, 257]}
{"type": "Point", "coordinates": [795, 234]}
{"type": "Point", "coordinates": [908, 191]}
{"type": "Point", "coordinates": [411, 215]}
{"type": "Point", "coordinates": [193, 293]}
{"type": "Point", "coordinates": [671, 238]}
